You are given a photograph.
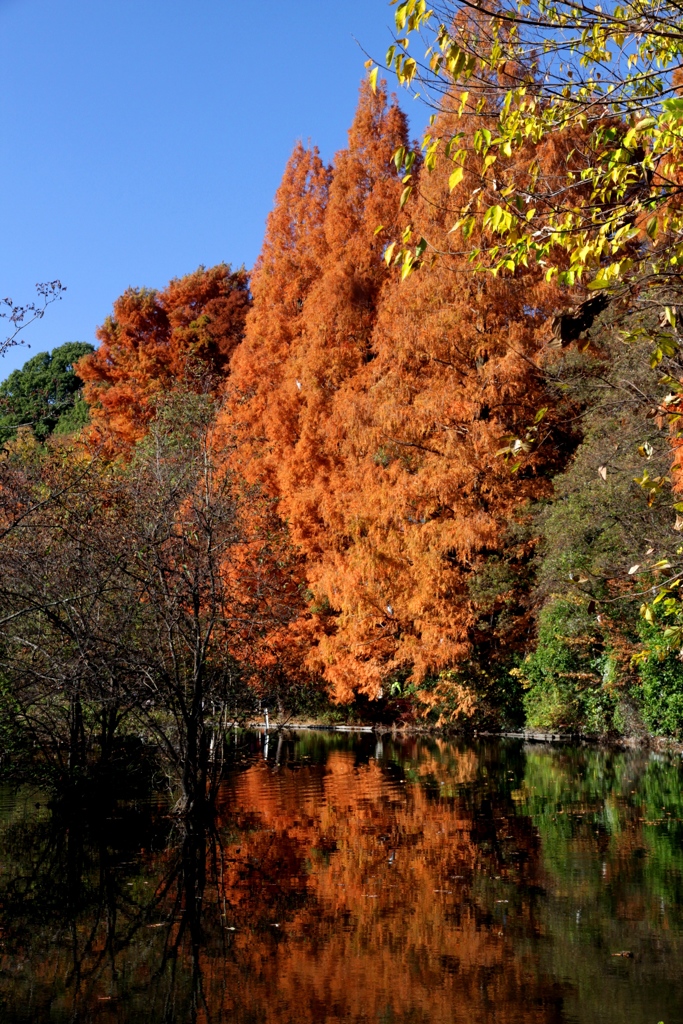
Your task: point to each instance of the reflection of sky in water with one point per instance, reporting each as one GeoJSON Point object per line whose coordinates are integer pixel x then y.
{"type": "Point", "coordinates": [353, 879]}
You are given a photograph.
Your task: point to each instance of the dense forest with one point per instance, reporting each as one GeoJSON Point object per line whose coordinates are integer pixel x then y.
{"type": "Point", "coordinates": [392, 473]}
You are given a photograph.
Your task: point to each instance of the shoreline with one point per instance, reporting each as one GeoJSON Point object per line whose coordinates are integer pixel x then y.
{"type": "Point", "coordinates": [656, 744]}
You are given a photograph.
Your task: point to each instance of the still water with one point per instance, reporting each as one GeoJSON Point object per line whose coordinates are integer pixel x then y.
{"type": "Point", "coordinates": [355, 879]}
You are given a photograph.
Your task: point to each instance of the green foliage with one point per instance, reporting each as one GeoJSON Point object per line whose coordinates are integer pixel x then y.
{"type": "Point", "coordinates": [74, 419]}
{"type": "Point", "coordinates": [661, 690]}
{"type": "Point", "coordinates": [500, 596]}
{"type": "Point", "coordinates": [598, 529]}
{"type": "Point", "coordinates": [45, 394]}
{"type": "Point", "coordinates": [500, 698]}
{"type": "Point", "coordinates": [478, 695]}
{"type": "Point", "coordinates": [600, 522]}
{"type": "Point", "coordinates": [577, 66]}
{"type": "Point", "coordinates": [570, 677]}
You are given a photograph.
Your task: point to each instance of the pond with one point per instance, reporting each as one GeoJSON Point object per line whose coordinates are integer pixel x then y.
{"type": "Point", "coordinates": [358, 878]}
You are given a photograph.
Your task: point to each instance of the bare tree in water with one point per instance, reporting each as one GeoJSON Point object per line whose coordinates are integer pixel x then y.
{"type": "Point", "coordinates": [206, 558]}
{"type": "Point", "coordinates": [134, 594]}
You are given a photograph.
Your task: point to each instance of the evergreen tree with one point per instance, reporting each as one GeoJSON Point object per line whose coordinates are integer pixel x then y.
{"type": "Point", "coordinates": [45, 394]}
{"type": "Point", "coordinates": [599, 532]}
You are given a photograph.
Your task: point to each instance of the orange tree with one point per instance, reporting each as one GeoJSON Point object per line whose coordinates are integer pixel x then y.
{"type": "Point", "coordinates": [184, 334]}
{"type": "Point", "coordinates": [375, 413]}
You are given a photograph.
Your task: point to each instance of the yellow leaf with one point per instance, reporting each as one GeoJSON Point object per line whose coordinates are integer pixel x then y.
{"type": "Point", "coordinates": [455, 178]}
{"type": "Point", "coordinates": [373, 79]}
{"type": "Point", "coordinates": [407, 267]}
{"type": "Point", "coordinates": [404, 196]}
{"type": "Point", "coordinates": [389, 252]}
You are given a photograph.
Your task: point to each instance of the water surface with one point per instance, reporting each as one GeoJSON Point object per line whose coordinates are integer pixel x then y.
{"type": "Point", "coordinates": [358, 879]}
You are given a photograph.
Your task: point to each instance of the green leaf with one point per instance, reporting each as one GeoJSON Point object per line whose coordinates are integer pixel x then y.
{"type": "Point", "coordinates": [674, 107]}
{"type": "Point", "coordinates": [408, 265]}
{"type": "Point", "coordinates": [467, 226]}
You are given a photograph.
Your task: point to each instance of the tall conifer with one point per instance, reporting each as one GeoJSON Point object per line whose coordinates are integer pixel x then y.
{"type": "Point", "coordinates": [424, 505]}
{"type": "Point", "coordinates": [334, 341]}
{"type": "Point", "coordinates": [262, 407]}
{"type": "Point", "coordinates": [316, 286]}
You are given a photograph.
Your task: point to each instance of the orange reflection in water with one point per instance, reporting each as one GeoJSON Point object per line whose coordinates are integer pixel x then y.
{"type": "Point", "coordinates": [352, 899]}
{"type": "Point", "coordinates": [347, 880]}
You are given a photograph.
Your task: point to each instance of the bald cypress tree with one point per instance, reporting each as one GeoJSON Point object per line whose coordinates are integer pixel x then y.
{"type": "Point", "coordinates": [185, 333]}
{"type": "Point", "coordinates": [423, 553]}
{"type": "Point", "coordinates": [262, 407]}
{"type": "Point", "coordinates": [317, 286]}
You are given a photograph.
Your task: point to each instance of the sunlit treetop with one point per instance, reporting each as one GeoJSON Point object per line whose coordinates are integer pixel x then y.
{"type": "Point", "coordinates": [608, 78]}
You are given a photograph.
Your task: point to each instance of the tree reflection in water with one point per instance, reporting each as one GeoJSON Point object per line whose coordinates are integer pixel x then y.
{"type": "Point", "coordinates": [346, 879]}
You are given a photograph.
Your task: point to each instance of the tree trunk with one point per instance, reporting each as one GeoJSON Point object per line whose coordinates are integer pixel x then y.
{"type": "Point", "coordinates": [76, 735]}
{"type": "Point", "coordinates": [195, 767]}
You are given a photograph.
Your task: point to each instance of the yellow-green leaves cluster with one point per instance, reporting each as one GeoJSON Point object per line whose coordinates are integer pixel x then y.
{"type": "Point", "coordinates": [601, 78]}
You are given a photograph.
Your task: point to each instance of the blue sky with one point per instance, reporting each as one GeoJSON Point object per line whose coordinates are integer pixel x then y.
{"type": "Point", "coordinates": [143, 138]}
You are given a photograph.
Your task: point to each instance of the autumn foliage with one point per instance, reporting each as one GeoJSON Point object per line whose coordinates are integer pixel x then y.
{"type": "Point", "coordinates": [374, 410]}
{"type": "Point", "coordinates": [185, 333]}
{"type": "Point", "coordinates": [380, 418]}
